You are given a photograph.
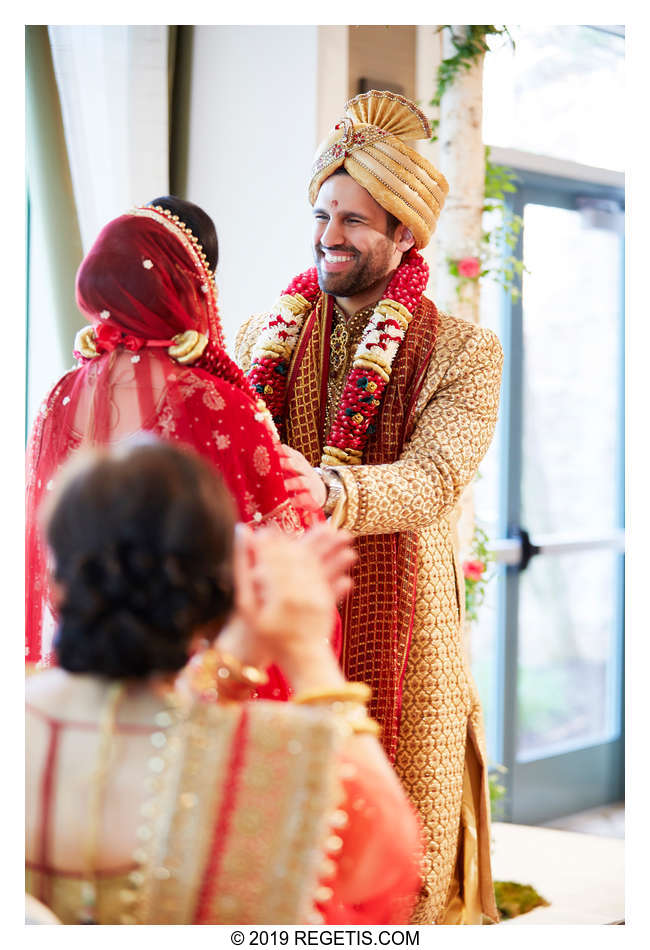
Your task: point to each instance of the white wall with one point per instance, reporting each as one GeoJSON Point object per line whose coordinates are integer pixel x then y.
{"type": "Point", "coordinates": [252, 138]}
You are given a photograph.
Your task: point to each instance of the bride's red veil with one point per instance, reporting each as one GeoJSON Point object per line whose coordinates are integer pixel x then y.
{"type": "Point", "coordinates": [147, 290]}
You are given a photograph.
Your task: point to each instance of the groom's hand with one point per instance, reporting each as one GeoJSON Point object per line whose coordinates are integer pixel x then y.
{"type": "Point", "coordinates": [301, 479]}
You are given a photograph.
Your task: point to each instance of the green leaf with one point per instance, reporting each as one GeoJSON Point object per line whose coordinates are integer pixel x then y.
{"type": "Point", "coordinates": [469, 45]}
{"type": "Point", "coordinates": [513, 899]}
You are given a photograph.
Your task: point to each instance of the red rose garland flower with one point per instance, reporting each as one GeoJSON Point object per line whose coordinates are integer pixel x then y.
{"type": "Point", "coordinates": [373, 360]}
{"type": "Point", "coordinates": [272, 353]}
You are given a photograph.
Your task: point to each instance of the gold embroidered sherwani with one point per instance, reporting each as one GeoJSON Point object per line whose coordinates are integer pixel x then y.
{"type": "Point", "coordinates": [440, 753]}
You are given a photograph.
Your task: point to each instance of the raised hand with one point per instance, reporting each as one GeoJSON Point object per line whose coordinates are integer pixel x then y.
{"type": "Point", "coordinates": [301, 479]}
{"type": "Point", "coordinates": [286, 593]}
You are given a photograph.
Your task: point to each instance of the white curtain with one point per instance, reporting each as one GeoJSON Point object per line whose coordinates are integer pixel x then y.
{"type": "Point", "coordinates": [114, 92]}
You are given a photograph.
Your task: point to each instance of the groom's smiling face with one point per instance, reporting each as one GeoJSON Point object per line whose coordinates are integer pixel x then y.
{"type": "Point", "coordinates": [353, 238]}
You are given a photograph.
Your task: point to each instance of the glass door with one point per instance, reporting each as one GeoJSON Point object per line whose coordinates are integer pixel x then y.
{"type": "Point", "coordinates": [548, 654]}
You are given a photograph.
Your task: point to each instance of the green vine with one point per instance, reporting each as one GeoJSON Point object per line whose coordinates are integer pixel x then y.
{"type": "Point", "coordinates": [475, 573]}
{"type": "Point", "coordinates": [495, 258]}
{"type": "Point", "coordinates": [470, 44]}
{"type": "Point", "coordinates": [498, 243]}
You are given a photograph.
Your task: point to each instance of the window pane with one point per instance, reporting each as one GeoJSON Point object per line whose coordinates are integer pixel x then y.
{"type": "Point", "coordinates": [487, 484]}
{"type": "Point", "coordinates": [567, 666]}
{"type": "Point", "coordinates": [558, 94]}
{"type": "Point", "coordinates": [487, 491]}
{"type": "Point", "coordinates": [571, 317]}
{"type": "Point", "coordinates": [484, 656]}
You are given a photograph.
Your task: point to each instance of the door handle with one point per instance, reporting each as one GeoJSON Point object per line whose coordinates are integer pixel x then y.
{"type": "Point", "coordinates": [528, 550]}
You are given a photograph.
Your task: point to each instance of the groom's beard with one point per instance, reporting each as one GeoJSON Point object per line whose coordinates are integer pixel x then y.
{"type": "Point", "coordinates": [363, 273]}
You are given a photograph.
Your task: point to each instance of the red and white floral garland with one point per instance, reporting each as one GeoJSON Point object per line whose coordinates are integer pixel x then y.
{"type": "Point", "coordinates": [373, 359]}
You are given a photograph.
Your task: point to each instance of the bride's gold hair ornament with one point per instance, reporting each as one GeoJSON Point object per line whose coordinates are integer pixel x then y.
{"type": "Point", "coordinates": [84, 343]}
{"type": "Point", "coordinates": [185, 348]}
{"type": "Point", "coordinates": [188, 346]}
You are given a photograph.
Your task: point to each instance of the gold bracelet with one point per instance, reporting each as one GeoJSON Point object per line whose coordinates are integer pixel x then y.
{"type": "Point", "coordinates": [229, 667]}
{"type": "Point", "coordinates": [346, 693]}
{"type": "Point", "coordinates": [354, 718]}
{"type": "Point", "coordinates": [221, 675]}
{"type": "Point", "coordinates": [347, 703]}
{"type": "Point", "coordinates": [367, 725]}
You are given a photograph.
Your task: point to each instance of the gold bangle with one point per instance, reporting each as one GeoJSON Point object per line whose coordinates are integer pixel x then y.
{"type": "Point", "coordinates": [348, 705]}
{"type": "Point", "coordinates": [347, 693]}
{"type": "Point", "coordinates": [229, 667]}
{"type": "Point", "coordinates": [367, 725]}
{"type": "Point", "coordinates": [354, 718]}
{"type": "Point", "coordinates": [219, 675]}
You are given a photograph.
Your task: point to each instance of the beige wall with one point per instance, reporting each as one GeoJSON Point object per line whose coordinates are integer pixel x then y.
{"type": "Point", "coordinates": [427, 59]}
{"type": "Point", "coordinates": [383, 54]}
{"type": "Point", "coordinates": [333, 76]}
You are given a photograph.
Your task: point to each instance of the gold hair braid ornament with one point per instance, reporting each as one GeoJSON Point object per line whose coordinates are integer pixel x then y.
{"type": "Point", "coordinates": [188, 346]}
{"type": "Point", "coordinates": [84, 343]}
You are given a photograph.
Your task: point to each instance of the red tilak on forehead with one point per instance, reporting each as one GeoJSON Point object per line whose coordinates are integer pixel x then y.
{"type": "Point", "coordinates": [334, 203]}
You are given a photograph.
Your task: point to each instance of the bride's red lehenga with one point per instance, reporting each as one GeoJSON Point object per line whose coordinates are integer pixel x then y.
{"type": "Point", "coordinates": [146, 287]}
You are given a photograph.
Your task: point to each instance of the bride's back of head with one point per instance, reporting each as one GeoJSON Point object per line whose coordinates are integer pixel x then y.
{"type": "Point", "coordinates": [142, 545]}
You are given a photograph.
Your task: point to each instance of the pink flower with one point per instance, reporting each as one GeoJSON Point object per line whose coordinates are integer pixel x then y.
{"type": "Point", "coordinates": [473, 570]}
{"type": "Point", "coordinates": [469, 267]}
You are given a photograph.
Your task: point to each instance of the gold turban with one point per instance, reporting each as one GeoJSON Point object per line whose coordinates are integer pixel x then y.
{"type": "Point", "coordinates": [370, 143]}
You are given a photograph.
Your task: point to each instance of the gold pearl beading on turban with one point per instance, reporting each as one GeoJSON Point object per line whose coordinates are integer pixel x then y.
{"type": "Point", "coordinates": [370, 144]}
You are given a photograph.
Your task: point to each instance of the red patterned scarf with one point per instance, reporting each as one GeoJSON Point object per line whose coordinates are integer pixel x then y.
{"type": "Point", "coordinates": [378, 615]}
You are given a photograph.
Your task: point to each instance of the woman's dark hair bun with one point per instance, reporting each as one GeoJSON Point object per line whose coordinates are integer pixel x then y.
{"type": "Point", "coordinates": [142, 544]}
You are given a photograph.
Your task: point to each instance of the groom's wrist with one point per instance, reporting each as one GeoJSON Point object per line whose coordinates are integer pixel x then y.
{"type": "Point", "coordinates": [333, 487]}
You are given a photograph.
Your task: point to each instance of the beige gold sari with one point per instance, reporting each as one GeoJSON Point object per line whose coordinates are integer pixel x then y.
{"type": "Point", "coordinates": [251, 816]}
